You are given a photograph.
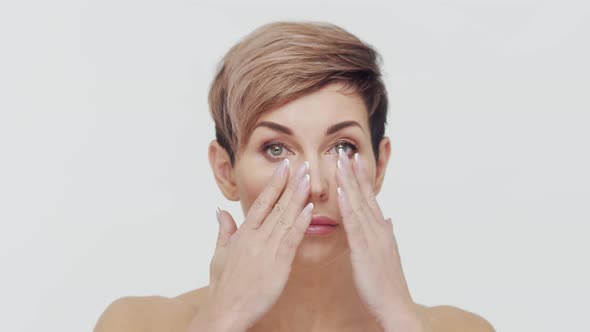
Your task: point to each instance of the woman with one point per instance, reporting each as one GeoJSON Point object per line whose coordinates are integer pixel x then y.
{"type": "Point", "coordinates": [300, 112]}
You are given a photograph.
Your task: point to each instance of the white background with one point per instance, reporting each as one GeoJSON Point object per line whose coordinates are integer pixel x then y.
{"type": "Point", "coordinates": [105, 188]}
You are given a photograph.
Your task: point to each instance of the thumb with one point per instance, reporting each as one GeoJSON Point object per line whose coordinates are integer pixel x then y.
{"type": "Point", "coordinates": [227, 227]}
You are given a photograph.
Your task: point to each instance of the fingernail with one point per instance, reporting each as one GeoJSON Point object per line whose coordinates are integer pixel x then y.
{"type": "Point", "coordinates": [304, 182]}
{"type": "Point", "coordinates": [283, 166]}
{"type": "Point", "coordinates": [339, 190]}
{"type": "Point", "coordinates": [308, 208]}
{"type": "Point", "coordinates": [356, 157]}
{"type": "Point", "coordinates": [303, 168]}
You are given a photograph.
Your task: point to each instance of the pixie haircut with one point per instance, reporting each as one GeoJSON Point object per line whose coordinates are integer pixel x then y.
{"type": "Point", "coordinates": [282, 61]}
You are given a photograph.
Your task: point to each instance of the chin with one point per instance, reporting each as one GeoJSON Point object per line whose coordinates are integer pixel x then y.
{"type": "Point", "coordinates": [317, 250]}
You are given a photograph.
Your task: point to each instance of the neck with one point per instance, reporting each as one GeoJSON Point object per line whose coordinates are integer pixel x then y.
{"type": "Point", "coordinates": [320, 295]}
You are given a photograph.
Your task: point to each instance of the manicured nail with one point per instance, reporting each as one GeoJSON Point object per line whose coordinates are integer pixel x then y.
{"type": "Point", "coordinates": [282, 169]}
{"type": "Point", "coordinates": [339, 190]}
{"type": "Point", "coordinates": [356, 157]}
{"type": "Point", "coordinates": [303, 168]}
{"type": "Point", "coordinates": [304, 182]}
{"type": "Point", "coordinates": [308, 208]}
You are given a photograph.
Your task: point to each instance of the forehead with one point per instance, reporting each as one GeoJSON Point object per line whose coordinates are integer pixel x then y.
{"type": "Point", "coordinates": [320, 109]}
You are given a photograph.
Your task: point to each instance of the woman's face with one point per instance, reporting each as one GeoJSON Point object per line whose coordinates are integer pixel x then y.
{"type": "Point", "coordinates": [312, 128]}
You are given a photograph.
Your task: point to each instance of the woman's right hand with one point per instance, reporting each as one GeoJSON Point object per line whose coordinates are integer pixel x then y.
{"type": "Point", "coordinates": [251, 265]}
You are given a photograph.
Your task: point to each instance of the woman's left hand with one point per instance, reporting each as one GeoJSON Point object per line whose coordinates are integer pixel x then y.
{"type": "Point", "coordinates": [376, 264]}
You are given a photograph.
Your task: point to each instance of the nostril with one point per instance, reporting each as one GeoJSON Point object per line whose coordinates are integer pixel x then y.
{"type": "Point", "coordinates": [318, 191]}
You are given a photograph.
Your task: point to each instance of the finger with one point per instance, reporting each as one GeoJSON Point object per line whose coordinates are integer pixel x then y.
{"type": "Point", "coordinates": [355, 234]}
{"type": "Point", "coordinates": [349, 185]}
{"type": "Point", "coordinates": [278, 215]}
{"type": "Point", "coordinates": [285, 222]}
{"type": "Point", "coordinates": [366, 187]}
{"type": "Point", "coordinates": [227, 228]}
{"type": "Point", "coordinates": [268, 197]}
{"type": "Point", "coordinates": [287, 247]}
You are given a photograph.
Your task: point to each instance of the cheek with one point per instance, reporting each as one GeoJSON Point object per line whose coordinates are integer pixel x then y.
{"type": "Point", "coordinates": [250, 186]}
{"type": "Point", "coordinates": [370, 168]}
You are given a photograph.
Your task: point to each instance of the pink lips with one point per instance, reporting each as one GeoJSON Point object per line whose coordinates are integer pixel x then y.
{"type": "Point", "coordinates": [321, 220]}
{"type": "Point", "coordinates": [321, 226]}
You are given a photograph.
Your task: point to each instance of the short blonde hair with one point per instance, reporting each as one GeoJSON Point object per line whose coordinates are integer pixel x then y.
{"type": "Point", "coordinates": [282, 61]}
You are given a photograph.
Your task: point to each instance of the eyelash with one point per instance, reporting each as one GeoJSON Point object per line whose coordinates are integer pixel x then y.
{"type": "Point", "coordinates": [269, 145]}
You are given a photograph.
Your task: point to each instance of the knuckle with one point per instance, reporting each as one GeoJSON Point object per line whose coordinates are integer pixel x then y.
{"type": "Point", "coordinates": [358, 210]}
{"type": "Point", "coordinates": [372, 200]}
{"type": "Point", "coordinates": [289, 243]}
{"type": "Point", "coordinates": [277, 210]}
{"type": "Point", "coordinates": [261, 203]}
{"type": "Point", "coordinates": [347, 214]}
{"type": "Point", "coordinates": [275, 185]}
{"type": "Point", "coordinates": [292, 185]}
{"type": "Point", "coordinates": [245, 233]}
{"type": "Point", "coordinates": [251, 249]}
{"type": "Point", "coordinates": [282, 219]}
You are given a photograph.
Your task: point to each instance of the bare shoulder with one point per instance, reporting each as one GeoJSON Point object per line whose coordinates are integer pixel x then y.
{"type": "Point", "coordinates": [147, 313]}
{"type": "Point", "coordinates": [447, 318]}
{"type": "Point", "coordinates": [195, 298]}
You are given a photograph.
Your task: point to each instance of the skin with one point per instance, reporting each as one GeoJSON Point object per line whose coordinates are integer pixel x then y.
{"type": "Point", "coordinates": [350, 280]}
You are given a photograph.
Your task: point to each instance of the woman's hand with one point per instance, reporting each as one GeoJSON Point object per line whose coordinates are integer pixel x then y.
{"type": "Point", "coordinates": [251, 265]}
{"type": "Point", "coordinates": [375, 259]}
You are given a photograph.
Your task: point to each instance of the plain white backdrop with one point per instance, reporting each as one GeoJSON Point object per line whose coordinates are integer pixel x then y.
{"type": "Point", "coordinates": [106, 191]}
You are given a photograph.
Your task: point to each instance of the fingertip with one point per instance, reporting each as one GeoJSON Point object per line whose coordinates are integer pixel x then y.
{"type": "Point", "coordinates": [308, 209]}
{"type": "Point", "coordinates": [305, 216]}
{"type": "Point", "coordinates": [282, 168]}
{"type": "Point", "coordinates": [341, 195]}
{"type": "Point", "coordinates": [286, 165]}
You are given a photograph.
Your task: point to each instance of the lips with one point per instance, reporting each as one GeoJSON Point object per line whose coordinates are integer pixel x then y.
{"type": "Point", "coordinates": [321, 220]}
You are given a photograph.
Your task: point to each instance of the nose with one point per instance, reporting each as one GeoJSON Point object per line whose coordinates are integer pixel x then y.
{"type": "Point", "coordinates": [319, 184]}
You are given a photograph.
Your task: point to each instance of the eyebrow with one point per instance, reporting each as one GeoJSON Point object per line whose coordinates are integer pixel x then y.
{"type": "Point", "coordinates": [286, 130]}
